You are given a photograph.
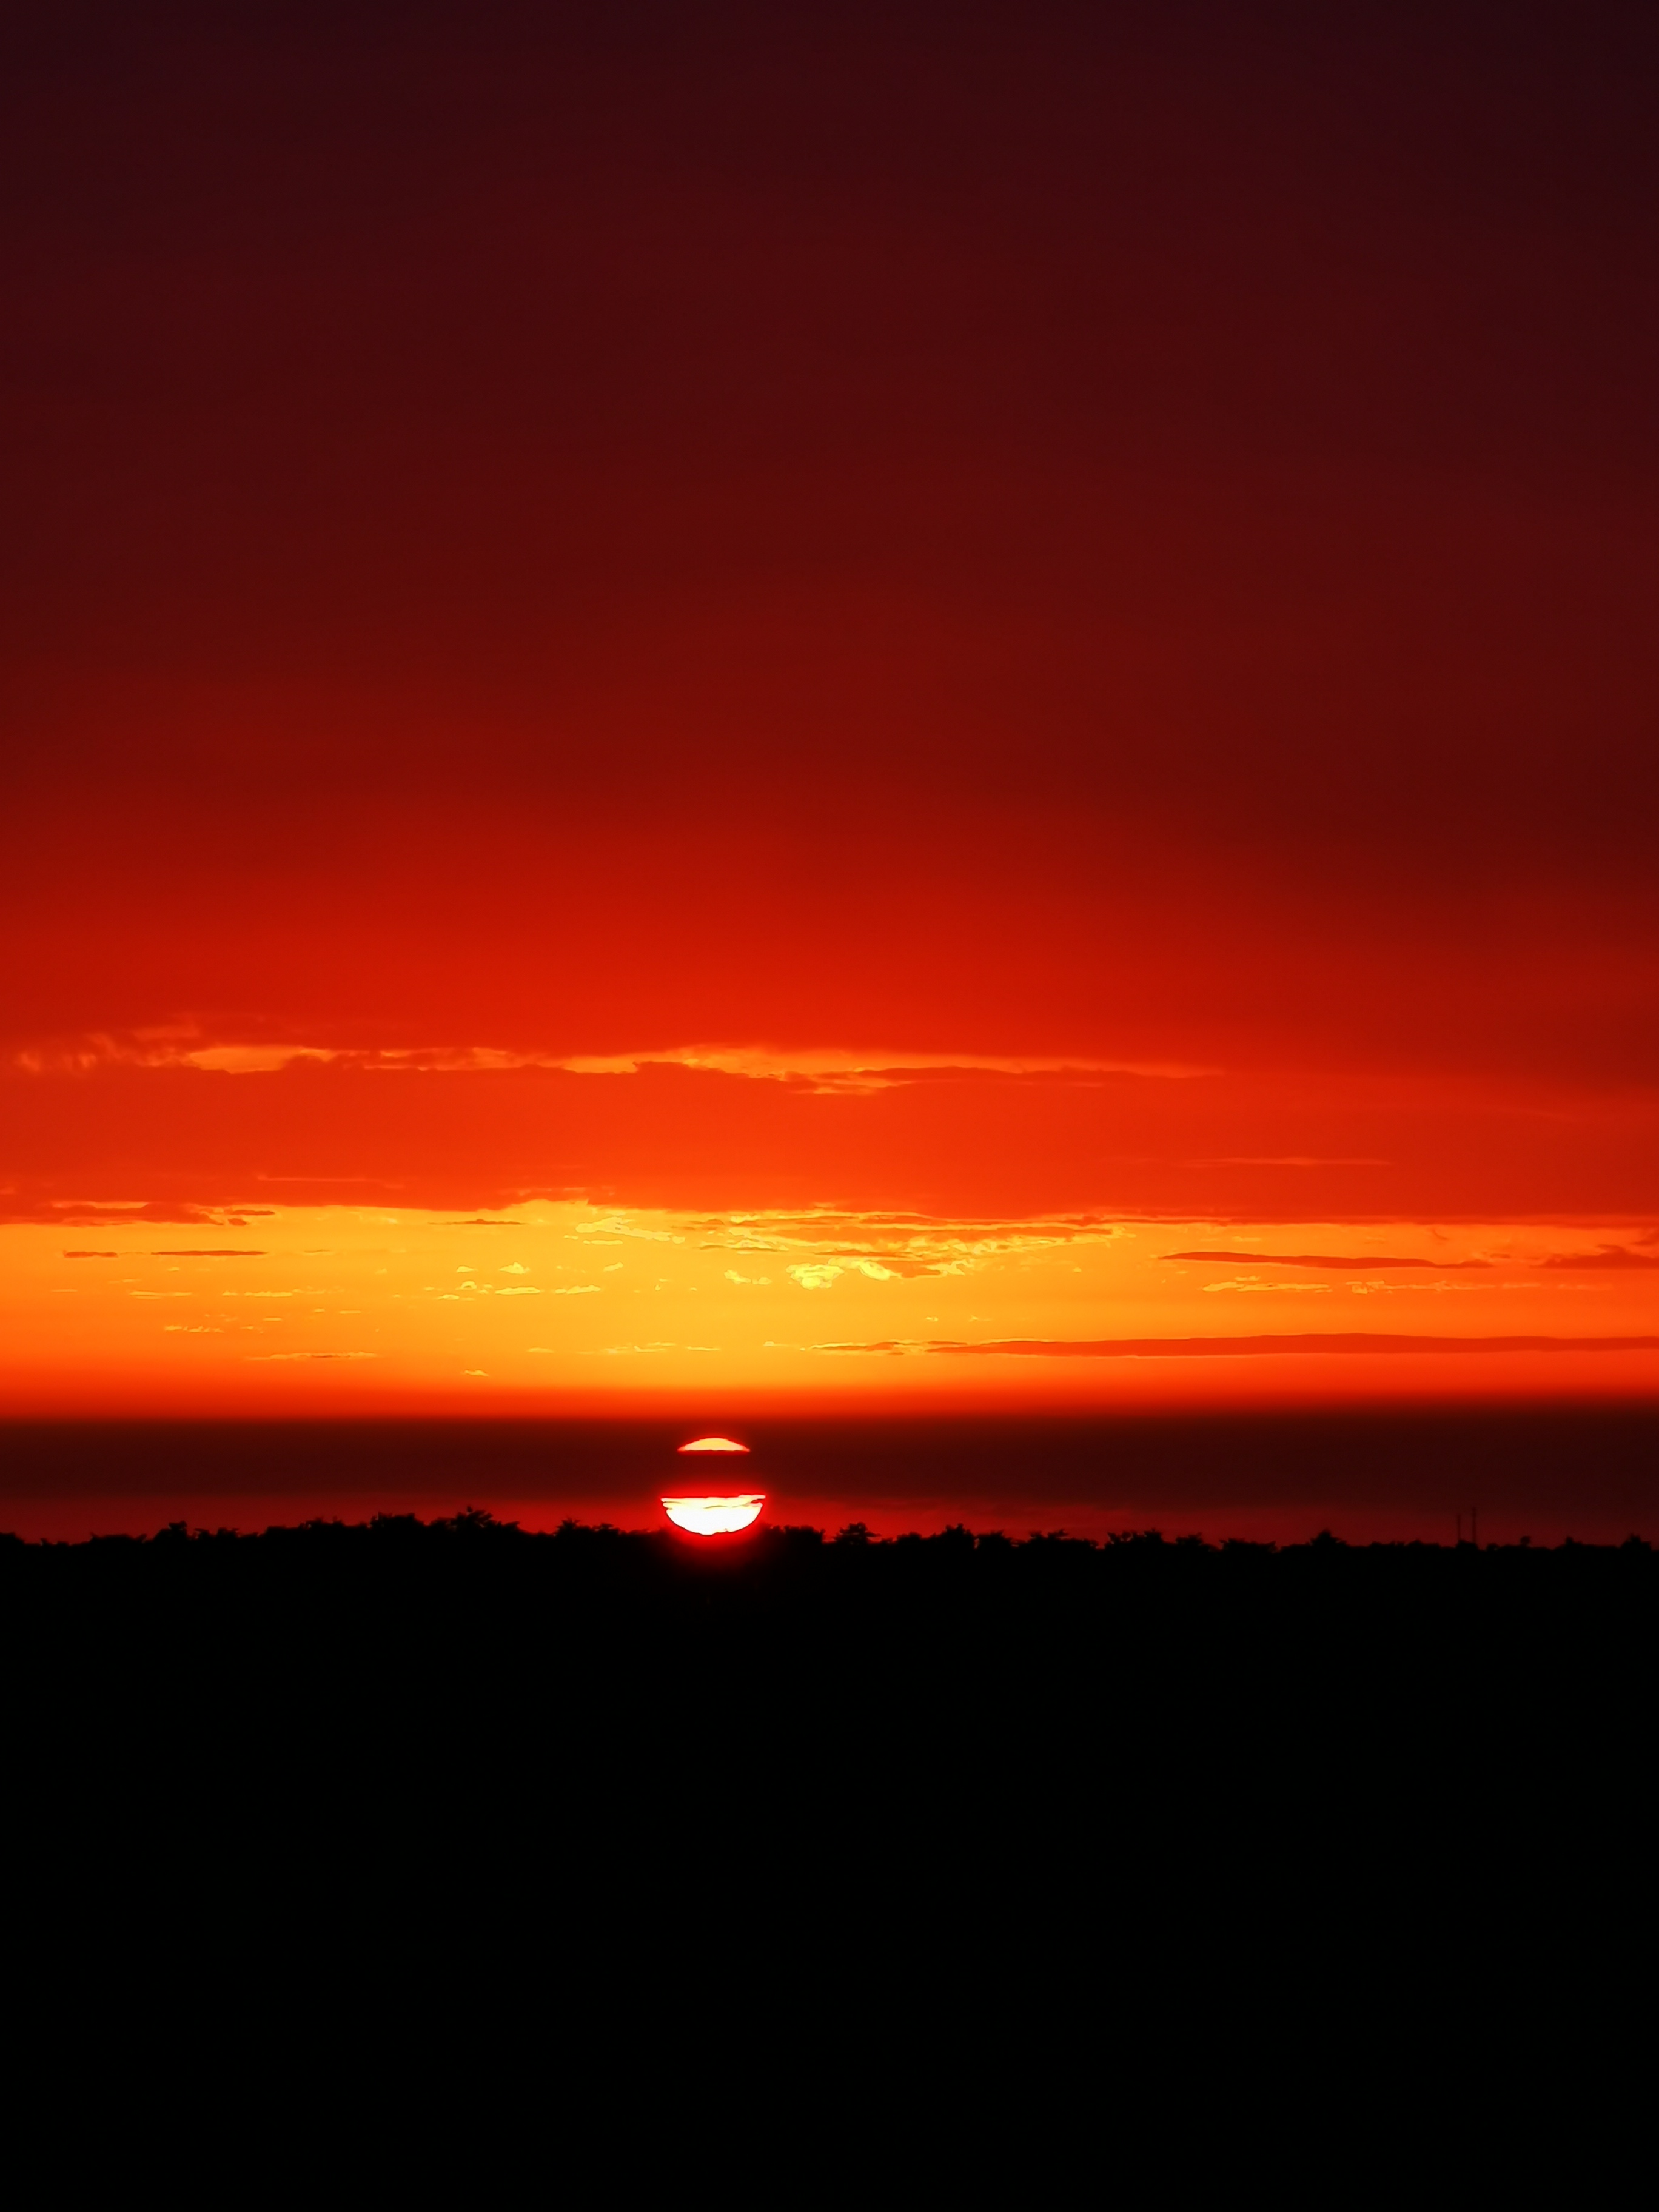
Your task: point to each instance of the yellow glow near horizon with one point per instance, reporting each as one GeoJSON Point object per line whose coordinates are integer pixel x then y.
{"type": "Point", "coordinates": [568, 1308]}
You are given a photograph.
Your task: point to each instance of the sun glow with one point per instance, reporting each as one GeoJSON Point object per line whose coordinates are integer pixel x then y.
{"type": "Point", "coordinates": [568, 1309]}
{"type": "Point", "coordinates": [713, 1516]}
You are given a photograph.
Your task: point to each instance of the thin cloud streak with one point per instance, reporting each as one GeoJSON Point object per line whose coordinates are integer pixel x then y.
{"type": "Point", "coordinates": [1233, 1347]}
{"type": "Point", "coordinates": [1320, 1259]}
{"type": "Point", "coordinates": [1610, 1256]}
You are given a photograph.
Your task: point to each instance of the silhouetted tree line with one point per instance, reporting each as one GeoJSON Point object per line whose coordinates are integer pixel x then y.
{"type": "Point", "coordinates": [340, 1696]}
{"type": "Point", "coordinates": [771, 1544]}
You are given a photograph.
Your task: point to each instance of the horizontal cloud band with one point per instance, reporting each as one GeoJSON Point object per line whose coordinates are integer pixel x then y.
{"type": "Point", "coordinates": [1329, 1259]}
{"type": "Point", "coordinates": [1203, 1347]}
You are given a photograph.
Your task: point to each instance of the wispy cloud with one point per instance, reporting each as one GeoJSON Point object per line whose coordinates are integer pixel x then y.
{"type": "Point", "coordinates": [259, 1357]}
{"type": "Point", "coordinates": [114, 1214]}
{"type": "Point", "coordinates": [1368, 1263]}
{"type": "Point", "coordinates": [885, 1246]}
{"type": "Point", "coordinates": [892, 1347]}
{"type": "Point", "coordinates": [828, 1067]}
{"type": "Point", "coordinates": [618, 1225]}
{"type": "Point", "coordinates": [1236, 1347]}
{"type": "Point", "coordinates": [1254, 1283]}
{"type": "Point", "coordinates": [1610, 1255]}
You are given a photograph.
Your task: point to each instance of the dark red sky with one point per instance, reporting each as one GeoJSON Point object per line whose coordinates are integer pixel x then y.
{"type": "Point", "coordinates": [1096, 533]}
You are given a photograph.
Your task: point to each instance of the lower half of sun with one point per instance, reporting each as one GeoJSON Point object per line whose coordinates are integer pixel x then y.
{"type": "Point", "coordinates": [714, 1516]}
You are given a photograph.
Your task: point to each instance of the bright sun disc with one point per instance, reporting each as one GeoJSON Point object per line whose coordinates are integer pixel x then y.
{"type": "Point", "coordinates": [713, 1516]}
{"type": "Point", "coordinates": [714, 1444]}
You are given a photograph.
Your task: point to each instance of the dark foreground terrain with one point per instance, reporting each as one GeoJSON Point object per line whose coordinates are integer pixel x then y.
{"type": "Point", "coordinates": [641, 1692]}
{"type": "Point", "coordinates": [876, 1815]}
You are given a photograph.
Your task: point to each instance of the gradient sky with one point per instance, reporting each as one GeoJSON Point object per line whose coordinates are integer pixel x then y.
{"type": "Point", "coordinates": [972, 646]}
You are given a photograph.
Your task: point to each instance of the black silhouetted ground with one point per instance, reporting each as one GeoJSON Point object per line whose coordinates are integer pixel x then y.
{"type": "Point", "coordinates": [568, 1677]}
{"type": "Point", "coordinates": [815, 1811]}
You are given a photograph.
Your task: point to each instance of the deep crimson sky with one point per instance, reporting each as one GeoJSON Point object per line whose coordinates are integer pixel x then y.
{"type": "Point", "coordinates": [1113, 533]}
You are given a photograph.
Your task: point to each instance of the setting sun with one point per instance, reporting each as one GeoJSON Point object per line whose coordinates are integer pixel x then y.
{"type": "Point", "coordinates": [714, 1516]}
